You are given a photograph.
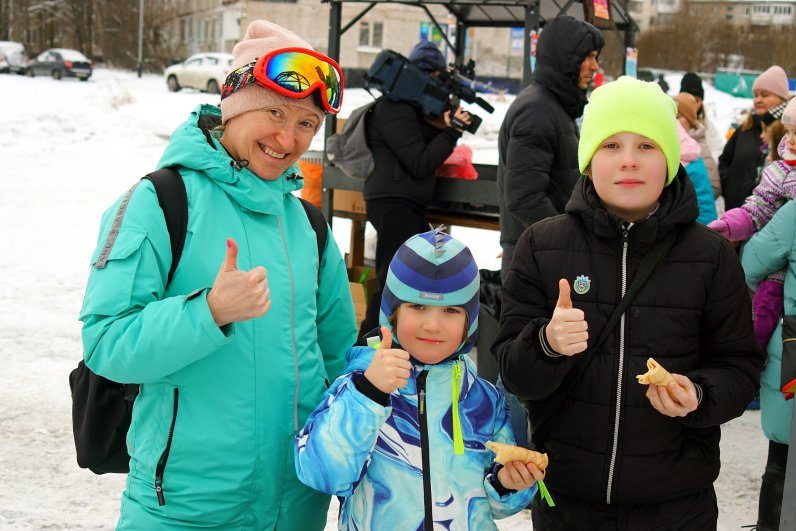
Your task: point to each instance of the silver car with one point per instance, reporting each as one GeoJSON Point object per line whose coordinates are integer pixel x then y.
{"type": "Point", "coordinates": [202, 71]}
{"type": "Point", "coordinates": [12, 57]}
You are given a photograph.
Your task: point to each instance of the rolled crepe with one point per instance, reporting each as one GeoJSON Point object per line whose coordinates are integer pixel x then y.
{"type": "Point", "coordinates": [655, 375]}
{"type": "Point", "coordinates": [505, 453]}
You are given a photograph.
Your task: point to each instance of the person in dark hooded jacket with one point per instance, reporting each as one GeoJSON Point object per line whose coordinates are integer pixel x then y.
{"type": "Point", "coordinates": [407, 150]}
{"type": "Point", "coordinates": [538, 142]}
{"type": "Point", "coordinates": [627, 456]}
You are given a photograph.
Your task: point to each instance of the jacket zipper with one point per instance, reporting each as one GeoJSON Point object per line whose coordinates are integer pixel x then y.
{"type": "Point", "coordinates": [428, 521]}
{"type": "Point", "coordinates": [164, 457]}
{"type": "Point", "coordinates": [615, 446]}
{"type": "Point", "coordinates": [296, 373]}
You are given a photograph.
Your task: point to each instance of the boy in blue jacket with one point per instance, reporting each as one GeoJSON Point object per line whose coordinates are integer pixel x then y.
{"type": "Point", "coordinates": [401, 435]}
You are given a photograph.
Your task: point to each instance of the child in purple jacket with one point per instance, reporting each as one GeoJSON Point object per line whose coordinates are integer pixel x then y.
{"type": "Point", "coordinates": [777, 186]}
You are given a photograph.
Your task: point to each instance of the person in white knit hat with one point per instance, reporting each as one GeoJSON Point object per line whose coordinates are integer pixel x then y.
{"type": "Point", "coordinates": [238, 346]}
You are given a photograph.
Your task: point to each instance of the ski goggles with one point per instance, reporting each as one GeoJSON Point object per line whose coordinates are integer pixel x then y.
{"type": "Point", "coordinates": [292, 72]}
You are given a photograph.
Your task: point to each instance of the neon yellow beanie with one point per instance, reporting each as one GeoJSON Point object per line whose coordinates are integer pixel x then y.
{"type": "Point", "coordinates": [630, 105]}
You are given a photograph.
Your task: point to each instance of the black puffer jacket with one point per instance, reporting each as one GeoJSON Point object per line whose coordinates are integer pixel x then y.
{"type": "Point", "coordinates": [693, 316]}
{"type": "Point", "coordinates": [538, 141]}
{"type": "Point", "coordinates": [739, 164]}
{"type": "Point", "coordinates": [407, 150]}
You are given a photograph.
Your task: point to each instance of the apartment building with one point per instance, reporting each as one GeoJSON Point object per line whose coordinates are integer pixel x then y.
{"type": "Point", "coordinates": [216, 25]}
{"type": "Point", "coordinates": [748, 15]}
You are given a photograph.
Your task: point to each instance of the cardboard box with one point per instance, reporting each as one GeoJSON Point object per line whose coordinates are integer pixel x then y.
{"type": "Point", "coordinates": [348, 201]}
{"type": "Point", "coordinates": [361, 289]}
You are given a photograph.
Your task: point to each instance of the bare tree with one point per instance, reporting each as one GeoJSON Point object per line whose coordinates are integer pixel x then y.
{"type": "Point", "coordinates": [696, 41]}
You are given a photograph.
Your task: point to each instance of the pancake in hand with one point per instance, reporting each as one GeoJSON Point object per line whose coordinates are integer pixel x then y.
{"type": "Point", "coordinates": [505, 453]}
{"type": "Point", "coordinates": [655, 375]}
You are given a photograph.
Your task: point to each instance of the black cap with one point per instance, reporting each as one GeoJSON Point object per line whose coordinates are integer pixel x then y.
{"type": "Point", "coordinates": [692, 84]}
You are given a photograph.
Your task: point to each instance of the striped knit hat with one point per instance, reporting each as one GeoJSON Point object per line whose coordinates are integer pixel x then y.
{"type": "Point", "coordinates": [435, 270]}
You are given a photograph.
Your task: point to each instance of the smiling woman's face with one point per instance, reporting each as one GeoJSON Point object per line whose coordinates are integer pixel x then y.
{"type": "Point", "coordinates": [272, 139]}
{"type": "Point", "coordinates": [628, 171]}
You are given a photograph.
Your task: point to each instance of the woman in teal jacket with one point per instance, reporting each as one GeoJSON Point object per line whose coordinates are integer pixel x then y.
{"type": "Point", "coordinates": [769, 251]}
{"type": "Point", "coordinates": [236, 351]}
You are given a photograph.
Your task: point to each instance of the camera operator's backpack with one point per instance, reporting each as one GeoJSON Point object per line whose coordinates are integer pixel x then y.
{"type": "Point", "coordinates": [102, 409]}
{"type": "Point", "coordinates": [348, 149]}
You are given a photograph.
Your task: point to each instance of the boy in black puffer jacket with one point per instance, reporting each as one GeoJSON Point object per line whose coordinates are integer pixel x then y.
{"type": "Point", "coordinates": [620, 459]}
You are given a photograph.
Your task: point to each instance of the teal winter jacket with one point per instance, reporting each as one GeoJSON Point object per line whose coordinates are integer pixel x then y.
{"type": "Point", "coordinates": [768, 251]}
{"type": "Point", "coordinates": [211, 441]}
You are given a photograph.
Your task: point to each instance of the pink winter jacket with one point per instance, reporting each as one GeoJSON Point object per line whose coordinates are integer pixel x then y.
{"type": "Point", "coordinates": [689, 148]}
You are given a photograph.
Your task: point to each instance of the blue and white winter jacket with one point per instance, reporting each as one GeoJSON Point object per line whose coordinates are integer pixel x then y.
{"type": "Point", "coordinates": [379, 458]}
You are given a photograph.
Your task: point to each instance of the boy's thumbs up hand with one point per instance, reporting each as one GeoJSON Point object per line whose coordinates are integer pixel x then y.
{"type": "Point", "coordinates": [564, 295]}
{"type": "Point", "coordinates": [238, 295]}
{"type": "Point", "coordinates": [567, 332]}
{"type": "Point", "coordinates": [389, 368]}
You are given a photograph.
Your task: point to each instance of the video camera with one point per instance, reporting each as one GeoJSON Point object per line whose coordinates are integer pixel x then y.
{"type": "Point", "coordinates": [400, 80]}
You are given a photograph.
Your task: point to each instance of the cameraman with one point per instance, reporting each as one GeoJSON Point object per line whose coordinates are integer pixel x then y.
{"type": "Point", "coordinates": [407, 149]}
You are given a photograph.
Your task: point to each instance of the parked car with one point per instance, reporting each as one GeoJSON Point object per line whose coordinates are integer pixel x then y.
{"type": "Point", "coordinates": [201, 71]}
{"type": "Point", "coordinates": [61, 62]}
{"type": "Point", "coordinates": [12, 57]}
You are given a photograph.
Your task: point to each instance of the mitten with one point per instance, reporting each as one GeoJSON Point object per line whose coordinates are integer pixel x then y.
{"type": "Point", "coordinates": [735, 225]}
{"type": "Point", "coordinates": [767, 305]}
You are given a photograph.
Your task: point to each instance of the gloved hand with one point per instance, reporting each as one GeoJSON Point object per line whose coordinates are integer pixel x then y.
{"type": "Point", "coordinates": [735, 225]}
{"type": "Point", "coordinates": [720, 226]}
{"type": "Point", "coordinates": [767, 305]}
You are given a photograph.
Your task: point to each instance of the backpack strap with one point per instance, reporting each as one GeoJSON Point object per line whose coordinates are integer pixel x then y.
{"type": "Point", "coordinates": [320, 227]}
{"type": "Point", "coordinates": [173, 200]}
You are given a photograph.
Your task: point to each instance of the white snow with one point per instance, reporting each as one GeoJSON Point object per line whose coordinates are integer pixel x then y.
{"type": "Point", "coordinates": [68, 149]}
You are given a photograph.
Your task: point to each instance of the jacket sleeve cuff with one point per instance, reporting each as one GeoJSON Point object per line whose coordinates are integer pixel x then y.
{"type": "Point", "coordinates": [365, 387]}
{"type": "Point", "coordinates": [700, 394]}
{"type": "Point", "coordinates": [492, 478]}
{"type": "Point", "coordinates": [545, 346]}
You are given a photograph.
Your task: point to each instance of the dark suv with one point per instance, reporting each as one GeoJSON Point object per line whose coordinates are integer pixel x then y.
{"type": "Point", "coordinates": [61, 62]}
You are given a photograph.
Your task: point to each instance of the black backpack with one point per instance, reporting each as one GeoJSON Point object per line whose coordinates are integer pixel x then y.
{"type": "Point", "coordinates": [101, 408]}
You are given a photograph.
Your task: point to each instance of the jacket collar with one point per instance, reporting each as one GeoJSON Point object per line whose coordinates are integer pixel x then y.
{"type": "Point", "coordinates": [677, 206]}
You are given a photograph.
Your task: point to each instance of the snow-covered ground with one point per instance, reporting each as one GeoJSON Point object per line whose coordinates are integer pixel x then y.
{"type": "Point", "coordinates": [67, 151]}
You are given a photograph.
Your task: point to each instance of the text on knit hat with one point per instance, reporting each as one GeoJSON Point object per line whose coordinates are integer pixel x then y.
{"type": "Point", "coordinates": [789, 114]}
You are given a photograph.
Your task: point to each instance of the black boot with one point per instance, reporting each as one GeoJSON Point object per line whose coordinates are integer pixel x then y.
{"type": "Point", "coordinates": [770, 505]}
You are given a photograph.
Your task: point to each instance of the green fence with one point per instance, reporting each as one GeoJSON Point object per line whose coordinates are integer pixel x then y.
{"type": "Point", "coordinates": [739, 85]}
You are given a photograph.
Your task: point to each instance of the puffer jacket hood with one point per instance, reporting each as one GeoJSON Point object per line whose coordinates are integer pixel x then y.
{"type": "Point", "coordinates": [188, 149]}
{"type": "Point", "coordinates": [564, 44]}
{"type": "Point", "coordinates": [677, 205]}
{"type": "Point", "coordinates": [782, 149]}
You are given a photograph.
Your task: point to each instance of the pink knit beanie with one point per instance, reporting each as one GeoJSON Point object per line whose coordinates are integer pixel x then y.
{"type": "Point", "coordinates": [263, 37]}
{"type": "Point", "coordinates": [773, 80]}
{"type": "Point", "coordinates": [789, 114]}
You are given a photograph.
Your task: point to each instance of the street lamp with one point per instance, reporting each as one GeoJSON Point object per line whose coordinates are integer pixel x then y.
{"type": "Point", "coordinates": [140, 36]}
